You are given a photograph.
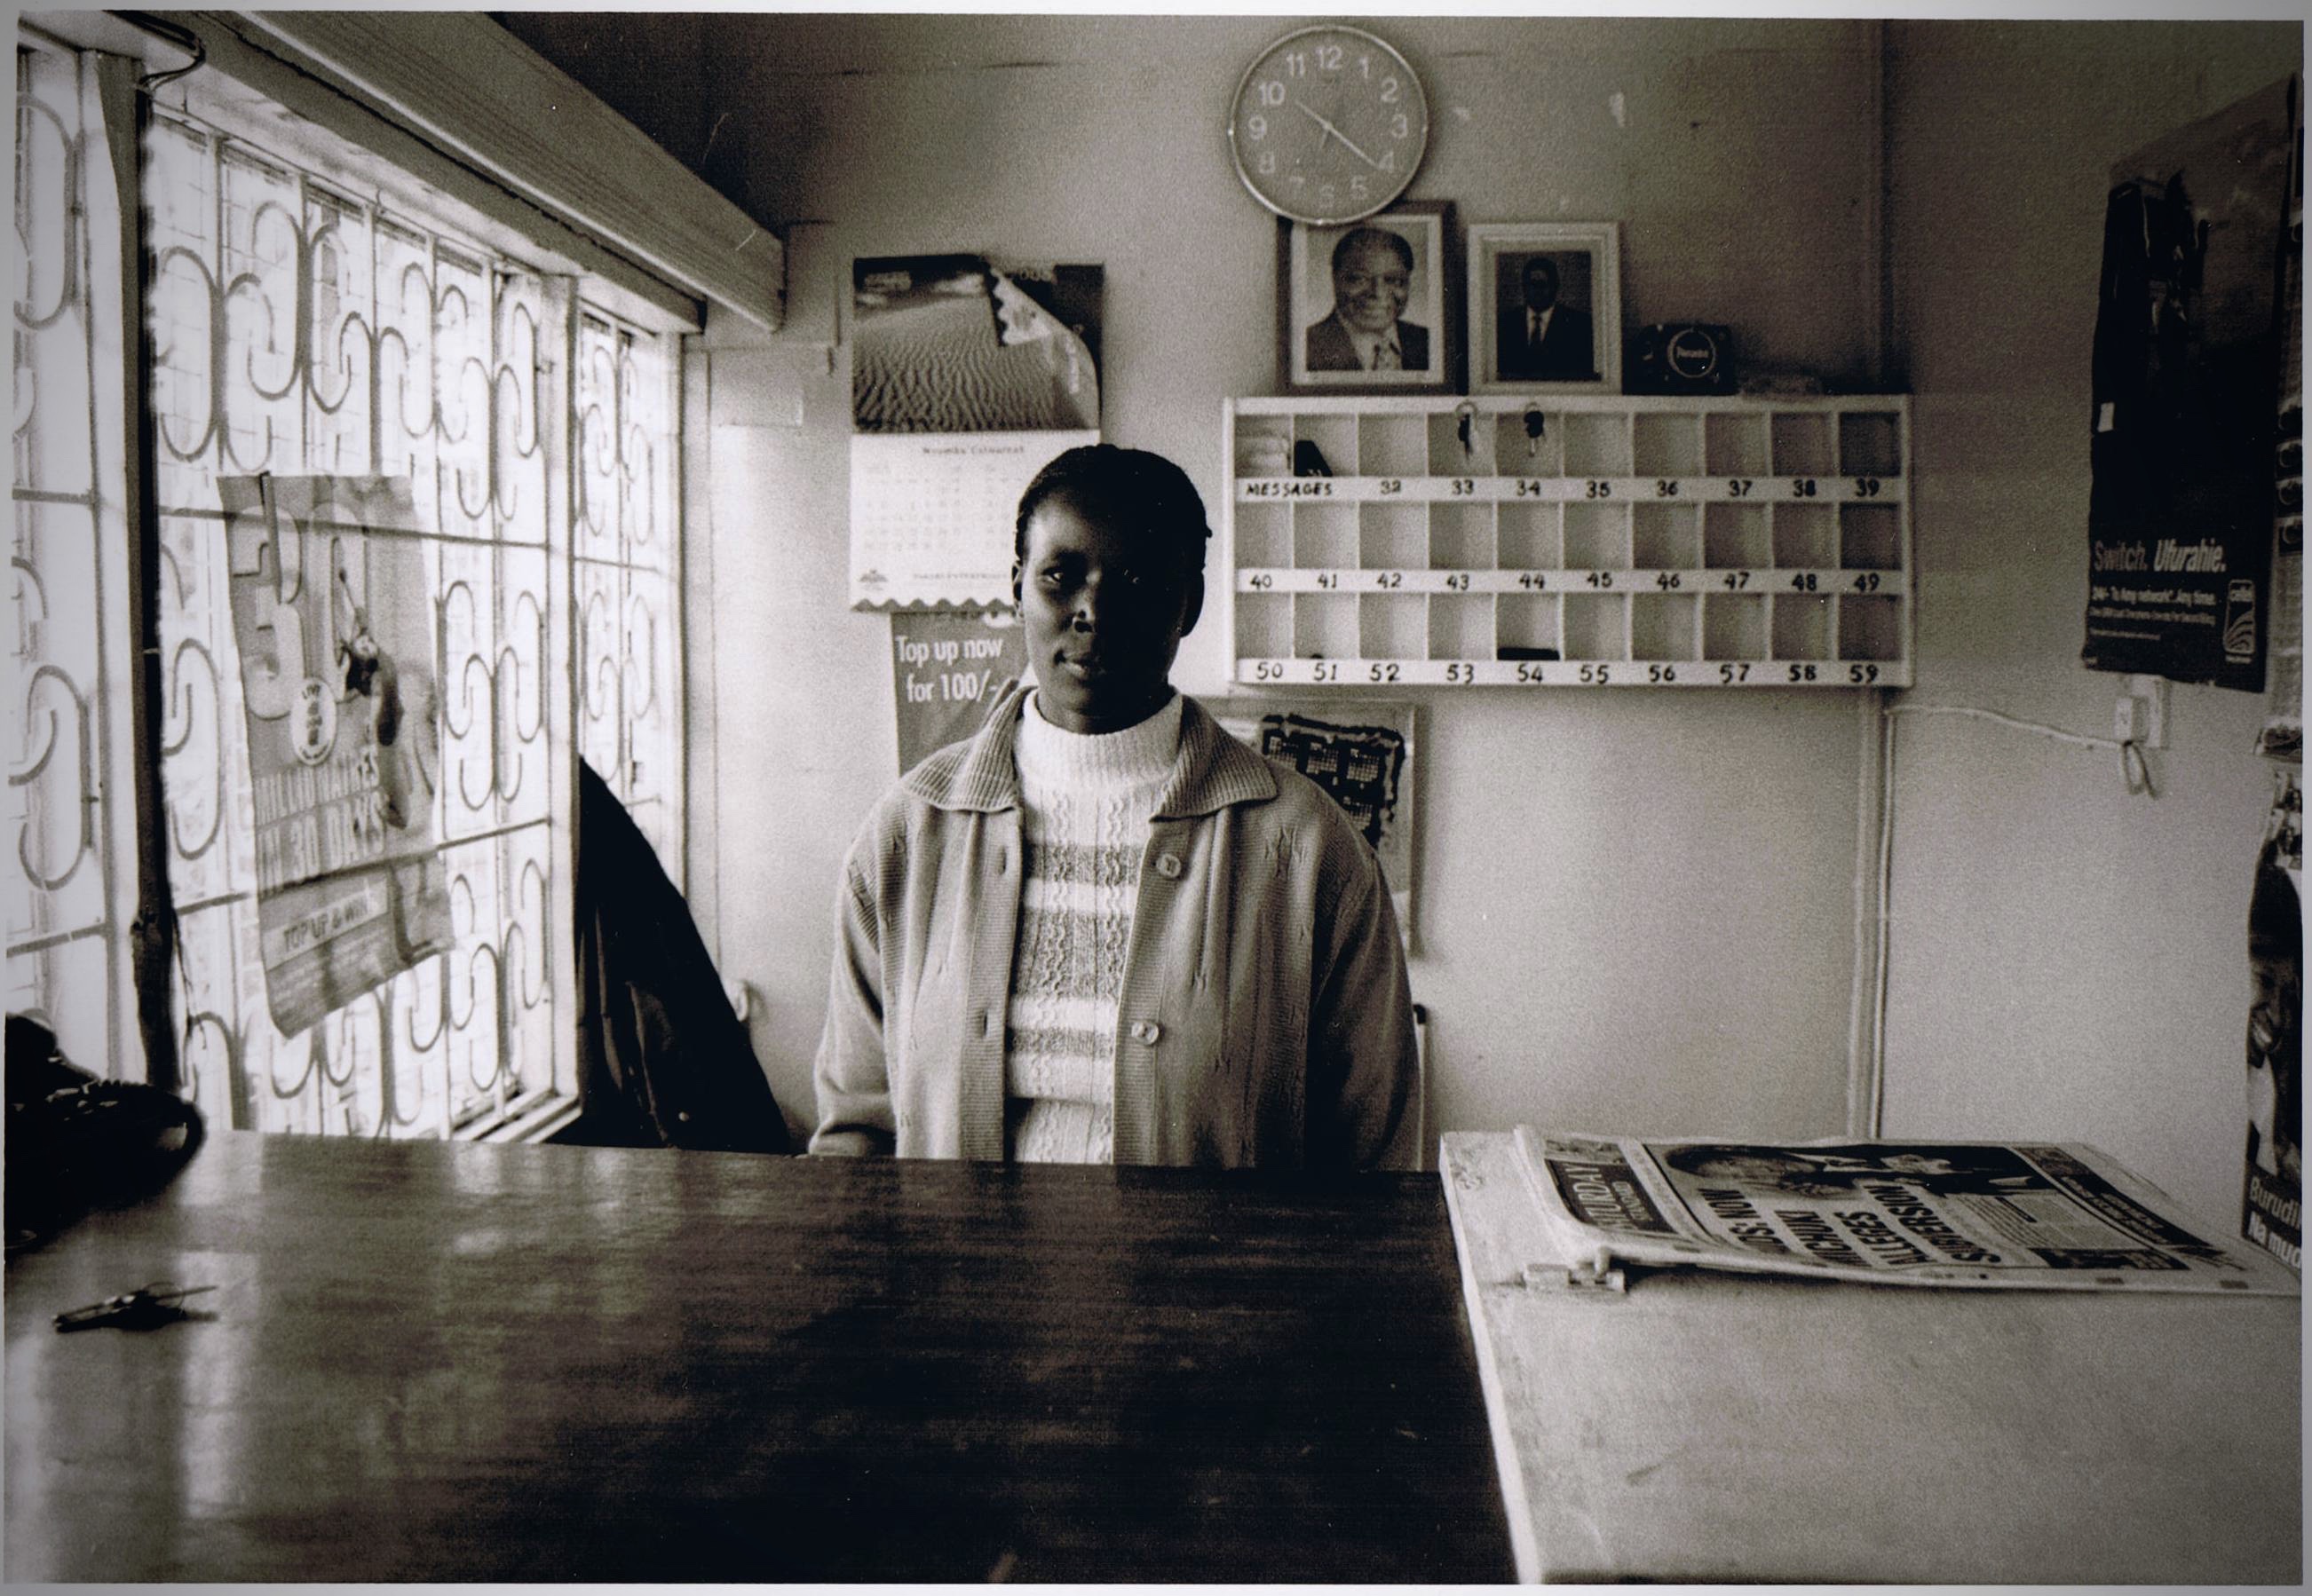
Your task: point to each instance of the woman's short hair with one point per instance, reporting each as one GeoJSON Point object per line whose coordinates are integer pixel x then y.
{"type": "Point", "coordinates": [1131, 488]}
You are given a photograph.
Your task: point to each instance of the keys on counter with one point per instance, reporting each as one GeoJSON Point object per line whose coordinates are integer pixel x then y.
{"type": "Point", "coordinates": [148, 1307]}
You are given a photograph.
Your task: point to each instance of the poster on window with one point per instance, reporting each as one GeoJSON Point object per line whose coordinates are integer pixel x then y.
{"type": "Point", "coordinates": [2186, 377]}
{"type": "Point", "coordinates": [334, 620]}
{"type": "Point", "coordinates": [2272, 1205]}
{"type": "Point", "coordinates": [966, 379]}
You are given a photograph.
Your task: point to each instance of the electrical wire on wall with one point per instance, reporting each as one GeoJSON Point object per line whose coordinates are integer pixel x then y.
{"type": "Point", "coordinates": [2133, 769]}
{"type": "Point", "coordinates": [183, 37]}
{"type": "Point", "coordinates": [1867, 1078]}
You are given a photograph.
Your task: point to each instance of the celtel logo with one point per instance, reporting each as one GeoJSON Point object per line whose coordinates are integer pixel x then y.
{"type": "Point", "coordinates": [2240, 622]}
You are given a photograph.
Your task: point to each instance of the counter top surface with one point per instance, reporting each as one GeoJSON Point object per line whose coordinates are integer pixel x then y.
{"type": "Point", "coordinates": [435, 1361]}
{"type": "Point", "coordinates": [1715, 1428]}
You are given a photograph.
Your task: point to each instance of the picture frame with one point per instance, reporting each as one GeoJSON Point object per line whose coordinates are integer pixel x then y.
{"type": "Point", "coordinates": [1581, 348]}
{"type": "Point", "coordinates": [1318, 352]}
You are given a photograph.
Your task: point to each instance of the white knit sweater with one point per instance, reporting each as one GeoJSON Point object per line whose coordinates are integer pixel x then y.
{"type": "Point", "coordinates": [1086, 802]}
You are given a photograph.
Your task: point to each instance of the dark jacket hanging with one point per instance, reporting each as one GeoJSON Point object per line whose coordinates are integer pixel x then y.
{"type": "Point", "coordinates": [663, 1061]}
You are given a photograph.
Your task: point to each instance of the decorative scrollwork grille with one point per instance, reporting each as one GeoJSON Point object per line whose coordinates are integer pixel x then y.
{"type": "Point", "coordinates": [629, 677]}
{"type": "Point", "coordinates": [302, 328]}
{"type": "Point", "coordinates": [71, 891]}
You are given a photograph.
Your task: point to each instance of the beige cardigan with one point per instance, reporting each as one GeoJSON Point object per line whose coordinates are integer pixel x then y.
{"type": "Point", "coordinates": [1265, 1017]}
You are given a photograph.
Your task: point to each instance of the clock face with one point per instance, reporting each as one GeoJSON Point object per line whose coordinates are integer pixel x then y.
{"type": "Point", "coordinates": [1329, 126]}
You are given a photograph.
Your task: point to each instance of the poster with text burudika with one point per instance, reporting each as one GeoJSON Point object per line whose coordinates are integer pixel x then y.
{"type": "Point", "coordinates": [2187, 378]}
{"type": "Point", "coordinates": [333, 616]}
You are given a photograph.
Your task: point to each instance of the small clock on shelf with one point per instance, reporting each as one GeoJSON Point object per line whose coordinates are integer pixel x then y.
{"type": "Point", "coordinates": [1329, 124]}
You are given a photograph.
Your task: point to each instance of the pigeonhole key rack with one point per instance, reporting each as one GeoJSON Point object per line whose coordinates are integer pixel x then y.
{"type": "Point", "coordinates": [1578, 541]}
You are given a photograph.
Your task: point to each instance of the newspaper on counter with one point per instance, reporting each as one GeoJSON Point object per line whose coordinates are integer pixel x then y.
{"type": "Point", "coordinates": [2023, 1214]}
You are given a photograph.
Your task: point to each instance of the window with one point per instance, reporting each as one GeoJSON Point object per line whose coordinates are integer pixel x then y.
{"type": "Point", "coordinates": [630, 680]}
{"type": "Point", "coordinates": [74, 888]}
{"type": "Point", "coordinates": [306, 321]}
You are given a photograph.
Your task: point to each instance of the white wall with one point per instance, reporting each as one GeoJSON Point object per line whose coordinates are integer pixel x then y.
{"type": "Point", "coordinates": [1636, 909]}
{"type": "Point", "coordinates": [2066, 960]}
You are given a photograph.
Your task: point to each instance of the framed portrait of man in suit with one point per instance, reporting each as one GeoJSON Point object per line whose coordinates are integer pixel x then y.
{"type": "Point", "coordinates": [1372, 307]}
{"type": "Point", "coordinates": [1544, 307]}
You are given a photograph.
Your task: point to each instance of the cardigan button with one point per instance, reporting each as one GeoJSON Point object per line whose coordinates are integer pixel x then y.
{"type": "Point", "coordinates": [1146, 1031]}
{"type": "Point", "coordinates": [1168, 866]}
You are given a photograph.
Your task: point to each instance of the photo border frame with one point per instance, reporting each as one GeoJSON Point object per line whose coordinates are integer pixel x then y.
{"type": "Point", "coordinates": [1294, 313]}
{"type": "Point", "coordinates": [1486, 242]}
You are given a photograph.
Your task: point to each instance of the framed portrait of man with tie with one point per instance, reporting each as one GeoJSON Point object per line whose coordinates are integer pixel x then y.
{"type": "Point", "coordinates": [1544, 307]}
{"type": "Point", "coordinates": [1372, 307]}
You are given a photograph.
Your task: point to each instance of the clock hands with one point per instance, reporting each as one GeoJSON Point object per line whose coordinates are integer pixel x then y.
{"type": "Point", "coordinates": [1333, 132]}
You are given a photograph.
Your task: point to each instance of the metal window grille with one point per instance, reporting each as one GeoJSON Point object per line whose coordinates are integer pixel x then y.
{"type": "Point", "coordinates": [630, 680]}
{"type": "Point", "coordinates": [299, 326]}
{"type": "Point", "coordinates": [72, 888]}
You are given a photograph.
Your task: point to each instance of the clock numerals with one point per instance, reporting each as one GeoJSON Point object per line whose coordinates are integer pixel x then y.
{"type": "Point", "coordinates": [1325, 58]}
{"type": "Point", "coordinates": [1330, 125]}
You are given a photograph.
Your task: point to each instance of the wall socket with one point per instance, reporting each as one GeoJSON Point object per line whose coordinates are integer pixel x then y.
{"type": "Point", "coordinates": [2141, 715]}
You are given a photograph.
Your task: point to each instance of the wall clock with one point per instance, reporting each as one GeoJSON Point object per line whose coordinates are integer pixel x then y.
{"type": "Point", "coordinates": [1329, 124]}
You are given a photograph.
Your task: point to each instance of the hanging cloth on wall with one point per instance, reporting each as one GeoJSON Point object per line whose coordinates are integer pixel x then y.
{"type": "Point", "coordinates": [663, 1061]}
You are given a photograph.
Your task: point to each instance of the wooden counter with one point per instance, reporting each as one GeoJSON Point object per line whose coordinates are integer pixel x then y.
{"type": "Point", "coordinates": [435, 1361]}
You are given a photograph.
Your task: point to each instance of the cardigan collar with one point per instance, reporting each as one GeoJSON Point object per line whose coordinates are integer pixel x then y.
{"type": "Point", "coordinates": [1211, 772]}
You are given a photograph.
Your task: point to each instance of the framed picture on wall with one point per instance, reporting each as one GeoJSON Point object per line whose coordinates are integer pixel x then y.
{"type": "Point", "coordinates": [1361, 752]}
{"type": "Point", "coordinates": [1370, 307]}
{"type": "Point", "coordinates": [1544, 307]}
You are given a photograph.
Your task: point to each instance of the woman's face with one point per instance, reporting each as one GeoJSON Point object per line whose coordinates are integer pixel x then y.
{"type": "Point", "coordinates": [1103, 611]}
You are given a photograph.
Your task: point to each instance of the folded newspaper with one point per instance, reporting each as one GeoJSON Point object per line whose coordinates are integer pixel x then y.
{"type": "Point", "coordinates": [2021, 1214]}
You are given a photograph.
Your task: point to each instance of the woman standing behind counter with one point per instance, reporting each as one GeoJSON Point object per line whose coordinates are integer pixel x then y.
{"type": "Point", "coordinates": [1102, 929]}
